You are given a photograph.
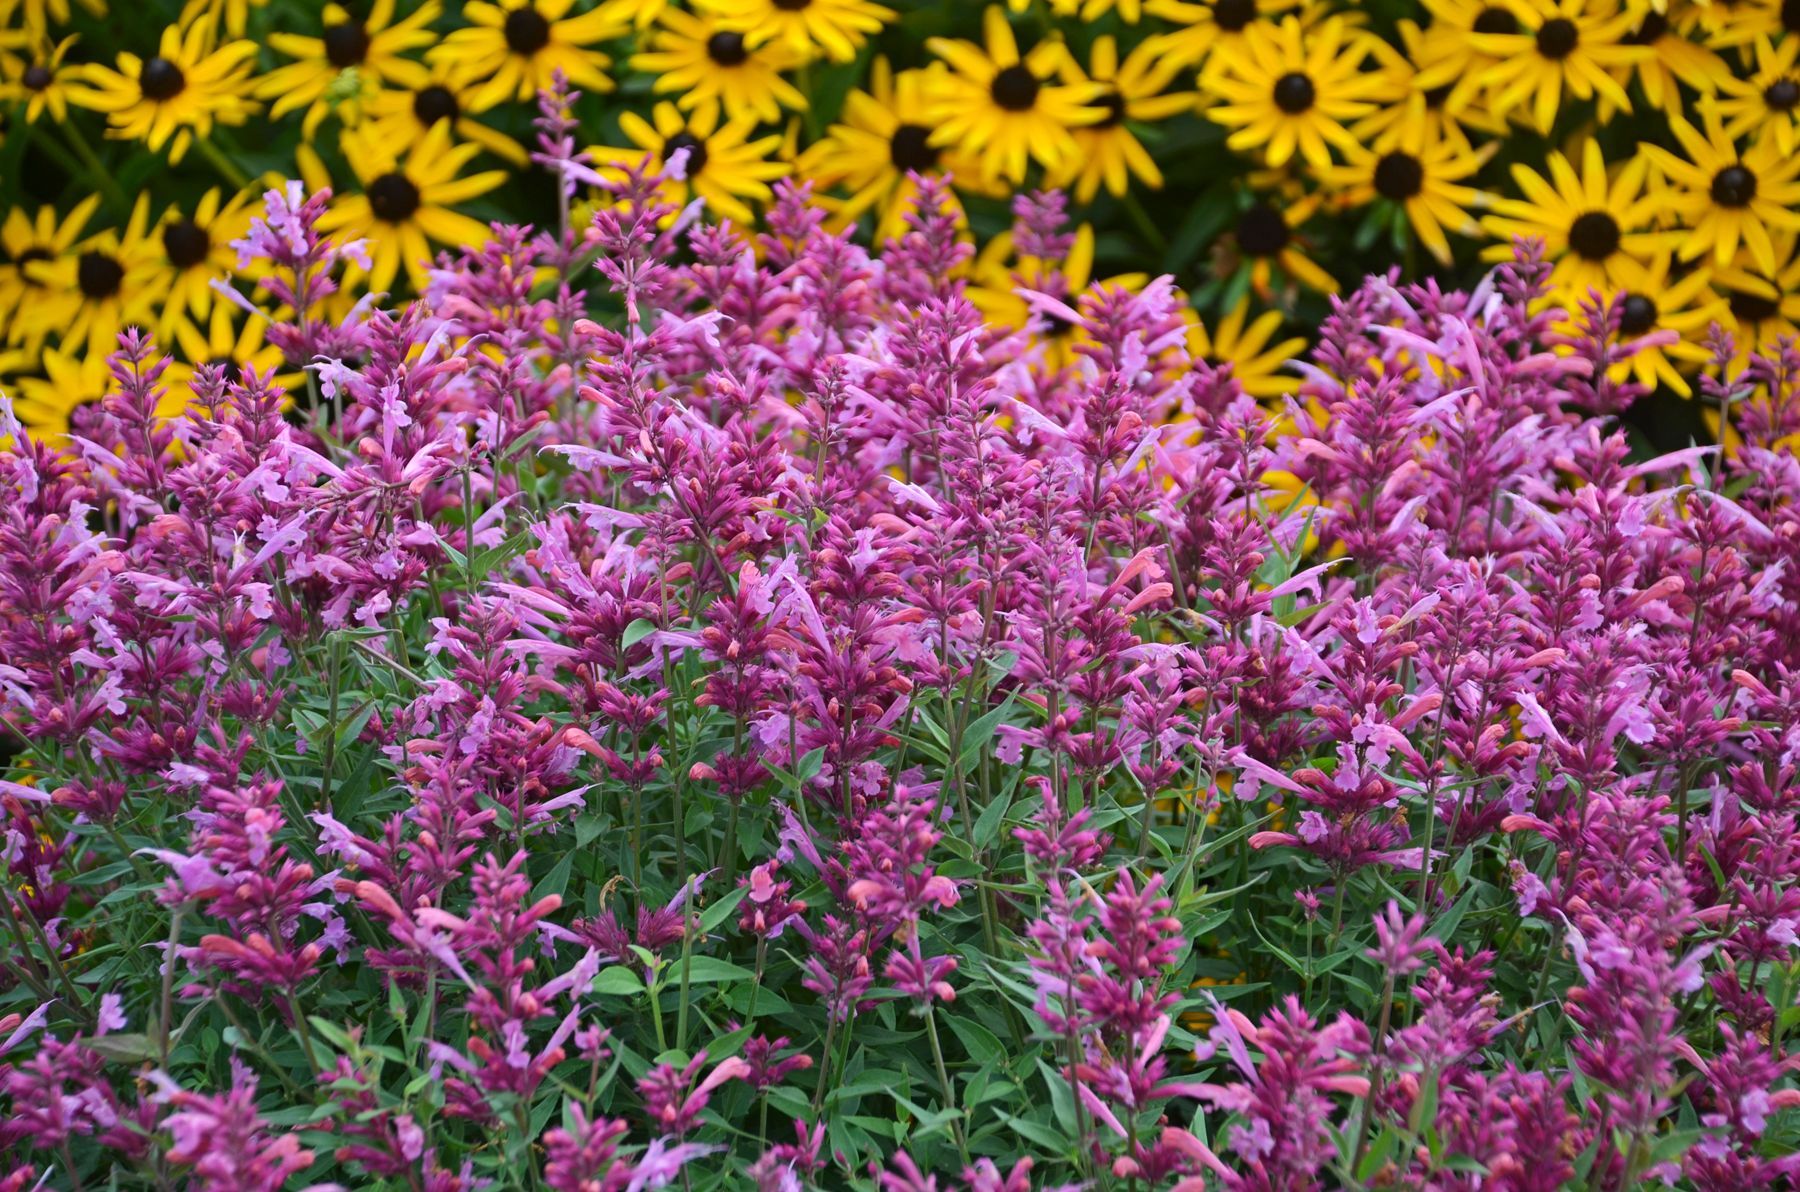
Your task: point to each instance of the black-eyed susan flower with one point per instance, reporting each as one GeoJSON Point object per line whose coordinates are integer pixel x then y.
{"type": "Point", "coordinates": [37, 16]}
{"type": "Point", "coordinates": [1208, 30]}
{"type": "Point", "coordinates": [64, 383]}
{"type": "Point", "coordinates": [405, 203]}
{"type": "Point", "coordinates": [1134, 91]}
{"type": "Point", "coordinates": [513, 49]}
{"type": "Point", "coordinates": [1762, 305]}
{"type": "Point", "coordinates": [1685, 304]}
{"type": "Point", "coordinates": [30, 243]}
{"type": "Point", "coordinates": [1450, 59]}
{"type": "Point", "coordinates": [96, 288]}
{"type": "Point", "coordinates": [882, 136]}
{"type": "Point", "coordinates": [1725, 197]}
{"type": "Point", "coordinates": [1673, 61]}
{"type": "Point", "coordinates": [1563, 47]}
{"type": "Point", "coordinates": [1723, 24]}
{"type": "Point", "coordinates": [350, 61]}
{"type": "Point", "coordinates": [1252, 352]}
{"type": "Point", "coordinates": [177, 93]}
{"type": "Point", "coordinates": [1407, 111]}
{"type": "Point", "coordinates": [231, 339]}
{"type": "Point", "coordinates": [708, 63]}
{"type": "Point", "coordinates": [196, 251]}
{"type": "Point", "coordinates": [40, 80]}
{"type": "Point", "coordinates": [1006, 108]}
{"type": "Point", "coordinates": [836, 29]}
{"type": "Point", "coordinates": [1593, 225]}
{"type": "Point", "coordinates": [998, 278]}
{"type": "Point", "coordinates": [726, 165]}
{"type": "Point", "coordinates": [401, 116]}
{"type": "Point", "coordinates": [1266, 240]}
{"type": "Point", "coordinates": [1766, 101]}
{"type": "Point", "coordinates": [233, 14]}
{"type": "Point", "coordinates": [1293, 90]}
{"type": "Point", "coordinates": [1423, 180]}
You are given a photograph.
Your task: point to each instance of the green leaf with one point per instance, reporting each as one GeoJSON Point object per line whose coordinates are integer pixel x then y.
{"type": "Point", "coordinates": [987, 824]}
{"type": "Point", "coordinates": [621, 980]}
{"type": "Point", "coordinates": [979, 733]}
{"type": "Point", "coordinates": [636, 632]}
{"type": "Point", "coordinates": [702, 970]}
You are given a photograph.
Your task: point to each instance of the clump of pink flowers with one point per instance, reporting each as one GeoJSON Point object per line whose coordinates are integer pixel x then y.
{"type": "Point", "coordinates": [684, 704]}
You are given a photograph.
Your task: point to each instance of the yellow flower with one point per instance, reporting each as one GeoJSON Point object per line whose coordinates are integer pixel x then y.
{"type": "Point", "coordinates": [1293, 89]}
{"type": "Point", "coordinates": [400, 117]}
{"type": "Point", "coordinates": [1767, 103]}
{"type": "Point", "coordinates": [1724, 23]}
{"type": "Point", "coordinates": [1673, 60]}
{"type": "Point", "coordinates": [1108, 151]}
{"type": "Point", "coordinates": [1247, 351]}
{"type": "Point", "coordinates": [1564, 46]}
{"type": "Point", "coordinates": [1450, 54]}
{"type": "Point", "coordinates": [404, 205]}
{"type": "Point", "coordinates": [1265, 240]}
{"type": "Point", "coordinates": [1686, 305]}
{"type": "Point", "coordinates": [196, 251]}
{"type": "Point", "coordinates": [1424, 182]}
{"type": "Point", "coordinates": [1209, 30]}
{"type": "Point", "coordinates": [234, 13]}
{"type": "Point", "coordinates": [36, 16]}
{"type": "Point", "coordinates": [1592, 226]}
{"type": "Point", "coordinates": [179, 92]}
{"type": "Point", "coordinates": [994, 287]}
{"type": "Point", "coordinates": [1410, 112]}
{"type": "Point", "coordinates": [1724, 196]}
{"type": "Point", "coordinates": [41, 82]}
{"type": "Point", "coordinates": [805, 27]}
{"type": "Point", "coordinates": [636, 14]}
{"type": "Point", "coordinates": [234, 340]}
{"type": "Point", "coordinates": [96, 288]}
{"type": "Point", "coordinates": [1762, 305]}
{"type": "Point", "coordinates": [708, 63]}
{"type": "Point", "coordinates": [69, 381]}
{"type": "Point", "coordinates": [31, 243]}
{"type": "Point", "coordinates": [724, 166]}
{"type": "Point", "coordinates": [883, 134]}
{"type": "Point", "coordinates": [515, 47]}
{"type": "Point", "coordinates": [348, 63]}
{"type": "Point", "coordinates": [1006, 108]}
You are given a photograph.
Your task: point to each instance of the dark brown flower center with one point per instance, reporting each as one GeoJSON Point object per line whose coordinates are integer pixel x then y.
{"type": "Point", "coordinates": [1495, 20]}
{"type": "Point", "coordinates": [1790, 15]}
{"type": "Point", "coordinates": [696, 158]}
{"type": "Point", "coordinates": [911, 149]}
{"type": "Point", "coordinates": [1733, 186]}
{"type": "Point", "coordinates": [727, 49]}
{"type": "Point", "coordinates": [1262, 231]}
{"type": "Point", "coordinates": [1015, 88]}
{"type": "Point", "coordinates": [186, 242]}
{"type": "Point", "coordinates": [1650, 31]}
{"type": "Point", "coordinates": [1637, 315]}
{"type": "Point", "coordinates": [1557, 38]}
{"type": "Point", "coordinates": [1234, 16]}
{"type": "Point", "coordinates": [434, 103]}
{"type": "Point", "coordinates": [1294, 93]}
{"type": "Point", "coordinates": [160, 79]}
{"type": "Point", "coordinates": [1595, 235]}
{"type": "Point", "coordinates": [1751, 308]}
{"type": "Point", "coordinates": [393, 198]}
{"type": "Point", "coordinates": [1113, 104]}
{"type": "Point", "coordinates": [526, 31]}
{"type": "Point", "coordinates": [1782, 94]}
{"type": "Point", "coordinates": [228, 368]}
{"type": "Point", "coordinates": [793, 5]}
{"type": "Point", "coordinates": [1399, 176]}
{"type": "Point", "coordinates": [98, 275]}
{"type": "Point", "coordinates": [346, 44]}
{"type": "Point", "coordinates": [34, 253]}
{"type": "Point", "coordinates": [37, 76]}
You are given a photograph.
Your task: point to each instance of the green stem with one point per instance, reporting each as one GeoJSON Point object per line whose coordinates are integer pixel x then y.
{"type": "Point", "coordinates": [943, 1075]}
{"type": "Point", "coordinates": [227, 168]}
{"type": "Point", "coordinates": [98, 174]}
